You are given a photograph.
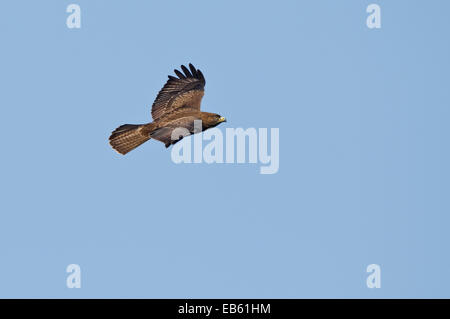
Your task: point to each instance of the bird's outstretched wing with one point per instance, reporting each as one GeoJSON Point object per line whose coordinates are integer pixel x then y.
{"type": "Point", "coordinates": [186, 90]}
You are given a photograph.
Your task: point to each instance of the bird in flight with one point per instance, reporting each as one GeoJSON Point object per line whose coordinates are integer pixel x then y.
{"type": "Point", "coordinates": [177, 105]}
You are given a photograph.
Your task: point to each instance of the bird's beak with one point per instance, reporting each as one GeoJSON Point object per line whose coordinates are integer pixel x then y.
{"type": "Point", "coordinates": [222, 119]}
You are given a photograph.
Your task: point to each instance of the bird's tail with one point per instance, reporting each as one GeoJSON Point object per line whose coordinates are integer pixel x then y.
{"type": "Point", "coordinates": [127, 137]}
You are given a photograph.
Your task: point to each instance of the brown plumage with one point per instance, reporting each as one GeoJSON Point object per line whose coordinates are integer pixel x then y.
{"type": "Point", "coordinates": [177, 106]}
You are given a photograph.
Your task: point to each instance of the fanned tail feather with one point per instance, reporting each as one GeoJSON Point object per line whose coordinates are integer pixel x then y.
{"type": "Point", "coordinates": [127, 137]}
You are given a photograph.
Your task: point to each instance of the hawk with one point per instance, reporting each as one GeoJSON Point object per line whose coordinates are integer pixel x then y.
{"type": "Point", "coordinates": [177, 105]}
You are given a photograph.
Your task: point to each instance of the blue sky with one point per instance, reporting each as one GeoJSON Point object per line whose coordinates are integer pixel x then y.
{"type": "Point", "coordinates": [363, 119]}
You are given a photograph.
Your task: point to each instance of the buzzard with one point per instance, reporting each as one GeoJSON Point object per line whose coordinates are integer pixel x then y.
{"type": "Point", "coordinates": [177, 105]}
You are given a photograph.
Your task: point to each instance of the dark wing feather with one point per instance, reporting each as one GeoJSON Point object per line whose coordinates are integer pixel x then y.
{"type": "Point", "coordinates": [185, 91]}
{"type": "Point", "coordinates": [193, 70]}
{"type": "Point", "coordinates": [179, 74]}
{"type": "Point", "coordinates": [186, 72]}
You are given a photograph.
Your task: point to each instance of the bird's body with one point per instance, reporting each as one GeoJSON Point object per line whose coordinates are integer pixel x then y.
{"type": "Point", "coordinates": [177, 106]}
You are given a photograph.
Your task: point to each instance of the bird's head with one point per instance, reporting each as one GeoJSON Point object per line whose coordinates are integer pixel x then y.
{"type": "Point", "coordinates": [212, 119]}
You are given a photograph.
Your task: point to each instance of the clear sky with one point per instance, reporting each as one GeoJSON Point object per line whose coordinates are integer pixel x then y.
{"type": "Point", "coordinates": [363, 119]}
